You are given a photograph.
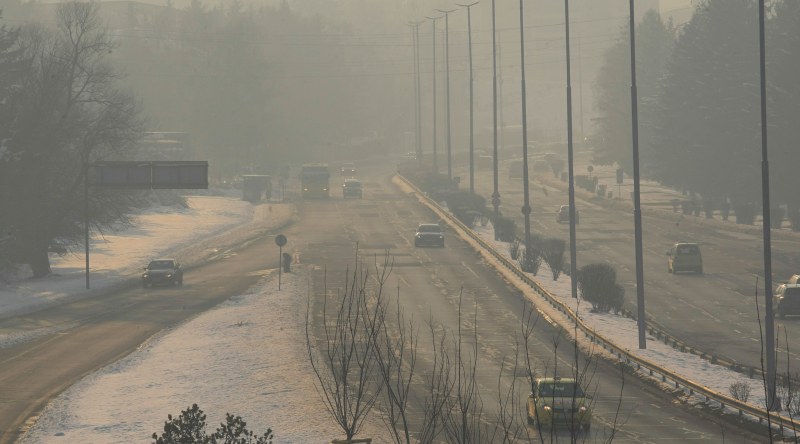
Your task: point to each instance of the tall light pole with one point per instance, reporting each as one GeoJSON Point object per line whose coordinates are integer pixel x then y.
{"type": "Point", "coordinates": [471, 102]}
{"type": "Point", "coordinates": [417, 94]}
{"type": "Point", "coordinates": [447, 84]}
{"type": "Point", "coordinates": [526, 207]}
{"type": "Point", "coordinates": [769, 330]}
{"type": "Point", "coordinates": [435, 156]}
{"type": "Point", "coordinates": [573, 266]}
{"type": "Point", "coordinates": [495, 193]}
{"type": "Point", "coordinates": [641, 321]}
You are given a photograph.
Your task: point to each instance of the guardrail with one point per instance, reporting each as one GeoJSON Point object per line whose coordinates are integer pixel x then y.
{"type": "Point", "coordinates": [779, 421]}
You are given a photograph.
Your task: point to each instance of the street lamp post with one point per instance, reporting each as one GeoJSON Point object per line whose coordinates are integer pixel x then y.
{"type": "Point", "coordinates": [417, 120]}
{"type": "Point", "coordinates": [495, 193]}
{"type": "Point", "coordinates": [447, 85]}
{"type": "Point", "coordinates": [526, 207]}
{"type": "Point", "coordinates": [637, 208]}
{"type": "Point", "coordinates": [471, 110]}
{"type": "Point", "coordinates": [573, 266]}
{"type": "Point", "coordinates": [435, 156]}
{"type": "Point", "coordinates": [769, 324]}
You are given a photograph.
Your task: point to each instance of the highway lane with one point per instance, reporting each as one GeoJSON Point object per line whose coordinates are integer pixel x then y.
{"type": "Point", "coordinates": [429, 282]}
{"type": "Point", "coordinates": [715, 312]}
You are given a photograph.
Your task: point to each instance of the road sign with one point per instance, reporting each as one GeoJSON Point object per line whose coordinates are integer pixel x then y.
{"type": "Point", "coordinates": [152, 174]}
{"type": "Point", "coordinates": [280, 240]}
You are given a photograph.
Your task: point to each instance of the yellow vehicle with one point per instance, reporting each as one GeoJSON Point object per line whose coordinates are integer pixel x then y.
{"type": "Point", "coordinates": [559, 403]}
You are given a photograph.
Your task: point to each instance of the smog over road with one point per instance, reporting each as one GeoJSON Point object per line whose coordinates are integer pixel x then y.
{"type": "Point", "coordinates": [501, 221]}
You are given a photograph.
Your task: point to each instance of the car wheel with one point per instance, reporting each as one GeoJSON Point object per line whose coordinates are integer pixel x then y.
{"type": "Point", "coordinates": [530, 420]}
{"type": "Point", "coordinates": [669, 269]}
{"type": "Point", "coordinates": [180, 281]}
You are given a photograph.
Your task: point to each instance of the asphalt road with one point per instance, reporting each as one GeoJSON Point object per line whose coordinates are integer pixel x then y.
{"type": "Point", "coordinates": [429, 282]}
{"type": "Point", "coordinates": [96, 331]}
{"type": "Point", "coordinates": [714, 312]}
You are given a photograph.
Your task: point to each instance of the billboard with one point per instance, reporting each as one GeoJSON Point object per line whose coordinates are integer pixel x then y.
{"type": "Point", "coordinates": [152, 175]}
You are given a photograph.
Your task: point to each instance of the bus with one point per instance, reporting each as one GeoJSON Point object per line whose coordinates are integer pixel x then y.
{"type": "Point", "coordinates": [315, 181]}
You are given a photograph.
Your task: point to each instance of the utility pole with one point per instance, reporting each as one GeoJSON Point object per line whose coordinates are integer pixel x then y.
{"type": "Point", "coordinates": [471, 107]}
{"type": "Point", "coordinates": [769, 316]}
{"type": "Point", "coordinates": [435, 156]}
{"type": "Point", "coordinates": [573, 266]}
{"type": "Point", "coordinates": [637, 208]}
{"type": "Point", "coordinates": [526, 207]}
{"type": "Point", "coordinates": [447, 84]}
{"type": "Point", "coordinates": [495, 193]}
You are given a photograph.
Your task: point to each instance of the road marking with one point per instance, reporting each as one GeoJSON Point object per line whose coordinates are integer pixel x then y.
{"type": "Point", "coordinates": [470, 269]}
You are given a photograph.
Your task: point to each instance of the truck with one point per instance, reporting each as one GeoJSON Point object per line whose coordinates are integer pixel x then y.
{"type": "Point", "coordinates": [255, 186]}
{"type": "Point", "coordinates": [315, 181]}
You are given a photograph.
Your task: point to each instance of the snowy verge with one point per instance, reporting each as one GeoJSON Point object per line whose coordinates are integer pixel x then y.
{"type": "Point", "coordinates": [247, 357]}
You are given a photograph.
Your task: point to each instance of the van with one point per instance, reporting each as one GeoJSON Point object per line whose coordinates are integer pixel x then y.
{"type": "Point", "coordinates": [685, 256]}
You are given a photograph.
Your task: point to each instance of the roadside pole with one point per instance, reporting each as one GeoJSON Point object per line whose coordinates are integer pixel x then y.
{"type": "Point", "coordinates": [280, 241]}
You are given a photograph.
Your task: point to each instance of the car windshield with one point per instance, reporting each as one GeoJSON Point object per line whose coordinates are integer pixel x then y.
{"type": "Point", "coordinates": [160, 265]}
{"type": "Point", "coordinates": [429, 229]}
{"type": "Point", "coordinates": [560, 389]}
{"type": "Point", "coordinates": [687, 249]}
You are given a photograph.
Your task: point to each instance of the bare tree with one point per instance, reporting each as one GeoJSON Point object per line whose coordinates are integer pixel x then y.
{"type": "Point", "coordinates": [69, 112]}
{"type": "Point", "coordinates": [344, 359]}
{"type": "Point", "coordinates": [396, 352]}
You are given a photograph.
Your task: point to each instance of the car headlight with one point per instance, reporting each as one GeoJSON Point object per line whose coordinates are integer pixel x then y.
{"type": "Point", "coordinates": [547, 408]}
{"type": "Point", "coordinates": [169, 275]}
{"type": "Point", "coordinates": [305, 189]}
{"type": "Point", "coordinates": [441, 236]}
{"type": "Point", "coordinates": [145, 276]}
{"type": "Point", "coordinates": [583, 409]}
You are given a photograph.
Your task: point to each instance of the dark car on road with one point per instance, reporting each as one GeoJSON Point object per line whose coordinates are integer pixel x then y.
{"type": "Point", "coordinates": [786, 300]}
{"type": "Point", "coordinates": [429, 235]}
{"type": "Point", "coordinates": [162, 272]}
{"type": "Point", "coordinates": [563, 214]}
{"type": "Point", "coordinates": [685, 256]}
{"type": "Point", "coordinates": [352, 188]}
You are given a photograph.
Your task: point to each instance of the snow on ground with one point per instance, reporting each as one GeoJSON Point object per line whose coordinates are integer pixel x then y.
{"type": "Point", "coordinates": [624, 333]}
{"type": "Point", "coordinates": [246, 357]}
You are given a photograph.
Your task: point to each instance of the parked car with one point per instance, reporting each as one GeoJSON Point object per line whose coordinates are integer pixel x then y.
{"type": "Point", "coordinates": [352, 188]}
{"type": "Point", "coordinates": [786, 300]}
{"type": "Point", "coordinates": [559, 403]}
{"type": "Point", "coordinates": [429, 235]}
{"type": "Point", "coordinates": [162, 272]}
{"type": "Point", "coordinates": [685, 256]}
{"type": "Point", "coordinates": [563, 214]}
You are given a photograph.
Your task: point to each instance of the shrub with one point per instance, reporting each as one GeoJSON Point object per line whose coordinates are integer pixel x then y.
{"type": "Point", "coordinates": [505, 229]}
{"type": "Point", "coordinates": [794, 218]}
{"type": "Point", "coordinates": [776, 217]}
{"type": "Point", "coordinates": [189, 427]}
{"type": "Point", "coordinates": [745, 214]}
{"type": "Point", "coordinates": [552, 252]}
{"type": "Point", "coordinates": [513, 249]}
{"type": "Point", "coordinates": [467, 207]}
{"type": "Point", "coordinates": [530, 263]}
{"type": "Point", "coordinates": [740, 391]}
{"type": "Point", "coordinates": [598, 286]}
